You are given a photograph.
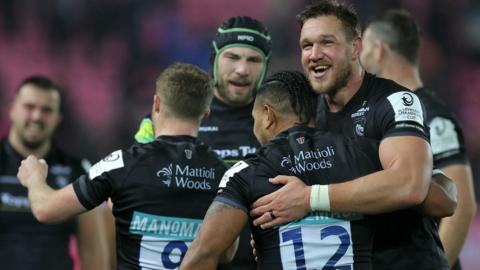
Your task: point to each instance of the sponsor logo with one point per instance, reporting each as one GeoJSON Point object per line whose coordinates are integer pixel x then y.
{"type": "Point", "coordinates": [208, 129]}
{"type": "Point", "coordinates": [361, 112]}
{"type": "Point", "coordinates": [241, 151]}
{"type": "Point", "coordinates": [187, 177]}
{"type": "Point", "coordinates": [407, 99]}
{"type": "Point", "coordinates": [165, 227]}
{"type": "Point", "coordinates": [166, 173]}
{"type": "Point", "coordinates": [245, 37]}
{"type": "Point", "coordinates": [309, 160]}
{"type": "Point", "coordinates": [10, 200]}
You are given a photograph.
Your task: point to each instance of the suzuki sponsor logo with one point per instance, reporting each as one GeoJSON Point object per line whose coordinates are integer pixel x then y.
{"type": "Point", "coordinates": [313, 160]}
{"type": "Point", "coordinates": [186, 176]}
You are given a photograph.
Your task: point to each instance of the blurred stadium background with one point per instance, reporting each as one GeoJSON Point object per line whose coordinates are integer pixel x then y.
{"type": "Point", "coordinates": [108, 53]}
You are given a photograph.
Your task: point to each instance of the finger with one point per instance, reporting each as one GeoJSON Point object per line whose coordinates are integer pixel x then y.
{"type": "Point", "coordinates": [264, 200]}
{"type": "Point", "coordinates": [262, 219]}
{"type": "Point", "coordinates": [260, 210]}
{"type": "Point", "coordinates": [279, 180]}
{"type": "Point", "coordinates": [43, 161]}
{"type": "Point", "coordinates": [271, 223]}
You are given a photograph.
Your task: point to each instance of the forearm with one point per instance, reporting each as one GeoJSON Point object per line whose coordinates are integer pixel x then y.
{"type": "Point", "coordinates": [92, 240]}
{"type": "Point", "coordinates": [41, 201]}
{"type": "Point", "coordinates": [53, 206]}
{"type": "Point", "coordinates": [441, 199]}
{"type": "Point", "coordinates": [453, 230]}
{"type": "Point", "coordinates": [216, 238]}
{"type": "Point", "coordinates": [380, 192]}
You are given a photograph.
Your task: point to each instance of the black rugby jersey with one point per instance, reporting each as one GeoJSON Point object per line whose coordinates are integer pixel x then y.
{"type": "Point", "coordinates": [321, 240]}
{"type": "Point", "coordinates": [160, 193]}
{"type": "Point", "coordinates": [229, 131]}
{"type": "Point", "coordinates": [446, 136]}
{"type": "Point", "coordinates": [25, 243]}
{"type": "Point", "coordinates": [381, 108]}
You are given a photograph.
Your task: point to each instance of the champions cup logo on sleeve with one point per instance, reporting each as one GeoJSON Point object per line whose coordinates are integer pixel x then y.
{"type": "Point", "coordinates": [407, 107]}
{"type": "Point", "coordinates": [109, 163]}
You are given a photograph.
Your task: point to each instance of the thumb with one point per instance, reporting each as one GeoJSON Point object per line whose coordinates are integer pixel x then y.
{"type": "Point", "coordinates": [279, 180]}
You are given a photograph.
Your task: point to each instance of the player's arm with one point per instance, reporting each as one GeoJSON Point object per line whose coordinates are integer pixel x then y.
{"type": "Point", "coordinates": [92, 239]}
{"type": "Point", "coordinates": [441, 200]}
{"type": "Point", "coordinates": [48, 205]}
{"type": "Point", "coordinates": [403, 183]}
{"type": "Point", "coordinates": [453, 230]}
{"type": "Point", "coordinates": [217, 239]}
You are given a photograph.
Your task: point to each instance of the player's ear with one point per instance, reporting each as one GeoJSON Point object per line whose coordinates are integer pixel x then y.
{"type": "Point", "coordinates": [356, 47]}
{"type": "Point", "coordinates": [156, 105]}
{"type": "Point", "coordinates": [271, 118]}
{"type": "Point", "coordinates": [206, 114]}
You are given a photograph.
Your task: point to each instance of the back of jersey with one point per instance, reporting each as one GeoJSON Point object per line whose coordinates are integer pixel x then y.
{"type": "Point", "coordinates": [160, 192]}
{"type": "Point", "coordinates": [321, 240]}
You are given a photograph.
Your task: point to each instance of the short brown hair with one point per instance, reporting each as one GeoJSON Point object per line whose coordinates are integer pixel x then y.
{"type": "Point", "coordinates": [185, 90]}
{"type": "Point", "coordinates": [344, 12]}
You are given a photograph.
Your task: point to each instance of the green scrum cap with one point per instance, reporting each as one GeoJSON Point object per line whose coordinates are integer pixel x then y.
{"type": "Point", "coordinates": [241, 31]}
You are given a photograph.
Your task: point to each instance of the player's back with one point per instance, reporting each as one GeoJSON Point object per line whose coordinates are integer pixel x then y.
{"type": "Point", "coordinates": [160, 192]}
{"type": "Point", "coordinates": [320, 239]}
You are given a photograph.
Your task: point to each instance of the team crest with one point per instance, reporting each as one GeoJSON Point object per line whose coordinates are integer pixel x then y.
{"type": "Point", "coordinates": [301, 140]}
{"type": "Point", "coordinates": [188, 153]}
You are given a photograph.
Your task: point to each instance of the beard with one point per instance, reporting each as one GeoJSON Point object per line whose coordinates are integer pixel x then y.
{"type": "Point", "coordinates": [340, 81]}
{"type": "Point", "coordinates": [32, 145]}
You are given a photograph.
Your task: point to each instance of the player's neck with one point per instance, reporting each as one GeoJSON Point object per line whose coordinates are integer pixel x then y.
{"type": "Point", "coordinates": [403, 73]}
{"type": "Point", "coordinates": [339, 99]}
{"type": "Point", "coordinates": [17, 144]}
{"type": "Point", "coordinates": [170, 126]}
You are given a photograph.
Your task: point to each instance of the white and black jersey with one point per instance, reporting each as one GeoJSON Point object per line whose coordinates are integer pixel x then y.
{"type": "Point", "coordinates": [26, 244]}
{"type": "Point", "coordinates": [321, 240]}
{"type": "Point", "coordinates": [160, 193]}
{"type": "Point", "coordinates": [381, 108]}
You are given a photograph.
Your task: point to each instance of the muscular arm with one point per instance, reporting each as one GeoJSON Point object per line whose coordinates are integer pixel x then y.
{"type": "Point", "coordinates": [48, 205]}
{"type": "Point", "coordinates": [454, 229]}
{"type": "Point", "coordinates": [92, 240]}
{"type": "Point", "coordinates": [403, 183]}
{"type": "Point", "coordinates": [217, 237]}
